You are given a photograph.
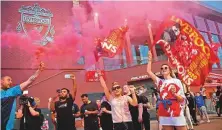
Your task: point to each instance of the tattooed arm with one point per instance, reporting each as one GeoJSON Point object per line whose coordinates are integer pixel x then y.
{"type": "Point", "coordinates": [25, 84]}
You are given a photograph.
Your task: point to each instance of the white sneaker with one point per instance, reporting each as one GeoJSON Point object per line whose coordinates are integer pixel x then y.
{"type": "Point", "coordinates": [208, 121]}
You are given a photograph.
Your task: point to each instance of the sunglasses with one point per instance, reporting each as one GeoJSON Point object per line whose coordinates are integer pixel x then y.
{"type": "Point", "coordinates": [115, 88]}
{"type": "Point", "coordinates": [164, 68]}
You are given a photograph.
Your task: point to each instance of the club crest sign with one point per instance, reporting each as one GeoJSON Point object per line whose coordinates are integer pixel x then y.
{"type": "Point", "coordinates": [39, 19]}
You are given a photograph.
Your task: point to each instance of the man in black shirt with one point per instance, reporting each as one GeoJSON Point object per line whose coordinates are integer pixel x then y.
{"type": "Point", "coordinates": [192, 106]}
{"type": "Point", "coordinates": [63, 108]}
{"type": "Point", "coordinates": [89, 111]}
{"type": "Point", "coordinates": [146, 105]}
{"type": "Point", "coordinates": [218, 100]}
{"type": "Point", "coordinates": [146, 116]}
{"type": "Point", "coordinates": [75, 112]}
{"type": "Point", "coordinates": [105, 116]}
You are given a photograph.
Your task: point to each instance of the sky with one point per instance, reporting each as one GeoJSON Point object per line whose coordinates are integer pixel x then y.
{"type": "Point", "coordinates": [217, 5]}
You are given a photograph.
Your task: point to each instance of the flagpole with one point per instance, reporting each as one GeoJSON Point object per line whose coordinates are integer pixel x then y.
{"type": "Point", "coordinates": [152, 41]}
{"type": "Point", "coordinates": [96, 20]}
{"type": "Point", "coordinates": [128, 46]}
{"type": "Point", "coordinates": [99, 64]}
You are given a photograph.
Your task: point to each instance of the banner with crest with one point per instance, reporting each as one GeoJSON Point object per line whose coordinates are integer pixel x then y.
{"type": "Point", "coordinates": [186, 49]}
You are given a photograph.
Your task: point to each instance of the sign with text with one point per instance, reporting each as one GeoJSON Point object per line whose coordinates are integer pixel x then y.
{"type": "Point", "coordinates": [92, 76]}
{"type": "Point", "coordinates": [141, 77]}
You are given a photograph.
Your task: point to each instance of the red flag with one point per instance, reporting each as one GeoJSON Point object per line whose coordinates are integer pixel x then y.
{"type": "Point", "coordinates": [111, 45]}
{"type": "Point", "coordinates": [186, 49]}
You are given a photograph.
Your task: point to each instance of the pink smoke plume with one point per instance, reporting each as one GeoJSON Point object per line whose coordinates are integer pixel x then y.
{"type": "Point", "coordinates": [65, 47]}
{"type": "Point", "coordinates": [112, 15]}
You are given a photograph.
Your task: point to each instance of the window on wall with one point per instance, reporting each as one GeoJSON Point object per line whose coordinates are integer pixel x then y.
{"type": "Point", "coordinates": [117, 62]}
{"type": "Point", "coordinates": [124, 62]}
{"type": "Point", "coordinates": [200, 23]}
{"type": "Point", "coordinates": [143, 53]}
{"type": "Point", "coordinates": [205, 36]}
{"type": "Point", "coordinates": [212, 26]}
{"type": "Point", "coordinates": [133, 49]}
{"type": "Point", "coordinates": [81, 60]}
{"type": "Point", "coordinates": [160, 53]}
{"type": "Point", "coordinates": [159, 50]}
{"type": "Point", "coordinates": [140, 54]}
{"type": "Point", "coordinates": [112, 63]}
{"type": "Point", "coordinates": [215, 39]}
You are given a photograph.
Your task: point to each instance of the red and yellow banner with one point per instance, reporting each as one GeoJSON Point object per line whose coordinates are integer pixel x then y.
{"type": "Point", "coordinates": [111, 45]}
{"type": "Point", "coordinates": [186, 49]}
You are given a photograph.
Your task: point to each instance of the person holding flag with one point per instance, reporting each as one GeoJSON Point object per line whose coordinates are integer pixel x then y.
{"type": "Point", "coordinates": [172, 97]}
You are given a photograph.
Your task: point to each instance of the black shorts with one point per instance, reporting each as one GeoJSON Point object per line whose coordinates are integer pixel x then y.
{"type": "Point", "coordinates": [123, 126]}
{"type": "Point", "coordinates": [66, 127]}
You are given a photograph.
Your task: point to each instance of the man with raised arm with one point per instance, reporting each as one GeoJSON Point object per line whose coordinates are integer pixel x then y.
{"type": "Point", "coordinates": [63, 107]}
{"type": "Point", "coordinates": [8, 97]}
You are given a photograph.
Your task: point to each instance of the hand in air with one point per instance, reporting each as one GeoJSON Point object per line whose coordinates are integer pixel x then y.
{"type": "Point", "coordinates": [72, 76]}
{"type": "Point", "coordinates": [41, 66]}
{"type": "Point", "coordinates": [99, 72]}
{"type": "Point", "coordinates": [132, 89]}
{"type": "Point", "coordinates": [150, 56]}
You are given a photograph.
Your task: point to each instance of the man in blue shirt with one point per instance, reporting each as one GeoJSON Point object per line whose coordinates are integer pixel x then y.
{"type": "Point", "coordinates": [8, 98]}
{"type": "Point", "coordinates": [201, 107]}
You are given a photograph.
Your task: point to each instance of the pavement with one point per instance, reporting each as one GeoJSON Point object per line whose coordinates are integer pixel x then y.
{"type": "Point", "coordinates": [215, 124]}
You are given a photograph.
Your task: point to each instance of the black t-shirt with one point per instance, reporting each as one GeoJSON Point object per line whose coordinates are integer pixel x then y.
{"type": "Point", "coordinates": [218, 93]}
{"type": "Point", "coordinates": [75, 109]}
{"type": "Point", "coordinates": [106, 118]}
{"type": "Point", "coordinates": [192, 103]}
{"type": "Point", "coordinates": [144, 100]}
{"type": "Point", "coordinates": [30, 122]}
{"type": "Point", "coordinates": [134, 109]}
{"type": "Point", "coordinates": [88, 119]}
{"type": "Point", "coordinates": [65, 114]}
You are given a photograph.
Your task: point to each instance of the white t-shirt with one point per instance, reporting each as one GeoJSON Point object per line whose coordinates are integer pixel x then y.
{"type": "Point", "coordinates": [120, 109]}
{"type": "Point", "coordinates": [164, 86]}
